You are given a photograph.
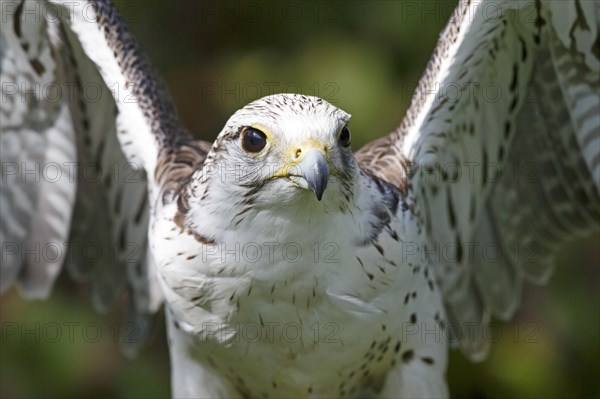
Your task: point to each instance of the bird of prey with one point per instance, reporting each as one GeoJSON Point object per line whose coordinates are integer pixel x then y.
{"type": "Point", "coordinates": [287, 265]}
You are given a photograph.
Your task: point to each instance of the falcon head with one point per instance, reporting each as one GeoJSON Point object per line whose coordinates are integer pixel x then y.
{"type": "Point", "coordinates": [283, 148]}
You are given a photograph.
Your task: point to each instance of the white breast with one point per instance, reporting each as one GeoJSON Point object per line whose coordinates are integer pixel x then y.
{"type": "Point", "coordinates": [268, 307]}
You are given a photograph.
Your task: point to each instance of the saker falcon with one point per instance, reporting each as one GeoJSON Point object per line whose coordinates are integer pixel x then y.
{"type": "Point", "coordinates": [289, 266]}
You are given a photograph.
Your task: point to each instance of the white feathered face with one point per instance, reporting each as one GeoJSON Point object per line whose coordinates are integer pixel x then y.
{"type": "Point", "coordinates": [285, 147]}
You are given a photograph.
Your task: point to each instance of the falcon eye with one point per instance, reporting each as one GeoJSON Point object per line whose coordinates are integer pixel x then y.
{"type": "Point", "coordinates": [345, 136]}
{"type": "Point", "coordinates": [253, 140]}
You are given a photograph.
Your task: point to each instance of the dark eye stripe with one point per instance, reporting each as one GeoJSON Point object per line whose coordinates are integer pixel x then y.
{"type": "Point", "coordinates": [253, 140]}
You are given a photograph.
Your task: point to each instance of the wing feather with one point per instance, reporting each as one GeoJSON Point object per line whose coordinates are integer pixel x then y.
{"type": "Point", "coordinates": [147, 121]}
{"type": "Point", "coordinates": [500, 148]}
{"type": "Point", "coordinates": [111, 126]}
{"type": "Point", "coordinates": [38, 153]}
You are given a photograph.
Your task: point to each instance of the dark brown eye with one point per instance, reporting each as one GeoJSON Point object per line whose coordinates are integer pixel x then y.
{"type": "Point", "coordinates": [253, 140]}
{"type": "Point", "coordinates": [345, 136]}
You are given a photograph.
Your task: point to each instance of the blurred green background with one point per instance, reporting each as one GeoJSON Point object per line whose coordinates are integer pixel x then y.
{"type": "Point", "coordinates": [365, 57]}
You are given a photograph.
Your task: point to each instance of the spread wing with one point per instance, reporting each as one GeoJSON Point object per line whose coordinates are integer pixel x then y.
{"type": "Point", "coordinates": [85, 124]}
{"type": "Point", "coordinates": [499, 153]}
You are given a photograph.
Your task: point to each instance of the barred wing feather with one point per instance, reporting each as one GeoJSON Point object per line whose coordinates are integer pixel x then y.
{"type": "Point", "coordinates": [500, 147]}
{"type": "Point", "coordinates": [81, 101]}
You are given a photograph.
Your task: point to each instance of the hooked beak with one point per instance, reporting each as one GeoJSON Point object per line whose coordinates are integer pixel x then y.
{"type": "Point", "coordinates": [312, 172]}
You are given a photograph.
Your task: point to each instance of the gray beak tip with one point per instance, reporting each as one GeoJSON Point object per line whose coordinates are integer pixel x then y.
{"type": "Point", "coordinates": [319, 195]}
{"type": "Point", "coordinates": [315, 170]}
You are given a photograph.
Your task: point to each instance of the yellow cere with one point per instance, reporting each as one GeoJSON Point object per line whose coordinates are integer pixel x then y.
{"type": "Point", "coordinates": [293, 155]}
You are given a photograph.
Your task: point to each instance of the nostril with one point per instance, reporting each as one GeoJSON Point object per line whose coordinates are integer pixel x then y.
{"type": "Point", "coordinates": [298, 153]}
